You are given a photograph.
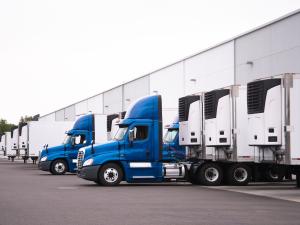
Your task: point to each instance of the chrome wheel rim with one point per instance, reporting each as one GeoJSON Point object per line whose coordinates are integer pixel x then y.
{"type": "Point", "coordinates": [60, 167]}
{"type": "Point", "coordinates": [111, 175]}
{"type": "Point", "coordinates": [240, 174]}
{"type": "Point", "coordinates": [211, 174]}
{"type": "Point", "coordinates": [273, 174]}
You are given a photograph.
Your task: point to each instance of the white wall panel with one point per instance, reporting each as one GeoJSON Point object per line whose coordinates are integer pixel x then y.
{"type": "Point", "coordinates": [70, 113]}
{"type": "Point", "coordinates": [273, 50]}
{"type": "Point", "coordinates": [210, 70]}
{"type": "Point", "coordinates": [168, 82]}
{"type": "Point", "coordinates": [135, 89]}
{"type": "Point", "coordinates": [49, 117]}
{"type": "Point", "coordinates": [113, 100]}
{"type": "Point", "coordinates": [60, 115]}
{"type": "Point", "coordinates": [95, 104]}
{"type": "Point", "coordinates": [81, 108]}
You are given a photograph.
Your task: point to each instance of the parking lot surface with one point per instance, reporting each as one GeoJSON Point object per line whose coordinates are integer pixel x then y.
{"type": "Point", "coordinates": [33, 197]}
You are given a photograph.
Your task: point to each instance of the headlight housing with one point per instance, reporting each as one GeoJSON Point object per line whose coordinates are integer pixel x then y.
{"type": "Point", "coordinates": [43, 159]}
{"type": "Point", "coordinates": [88, 162]}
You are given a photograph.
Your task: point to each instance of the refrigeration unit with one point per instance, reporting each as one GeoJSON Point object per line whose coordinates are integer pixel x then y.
{"type": "Point", "coordinates": [225, 124]}
{"type": "Point", "coordinates": [273, 119]}
{"type": "Point", "coordinates": [191, 125]}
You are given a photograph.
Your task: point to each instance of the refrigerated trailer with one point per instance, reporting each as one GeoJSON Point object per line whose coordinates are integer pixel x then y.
{"type": "Point", "coordinates": [11, 143]}
{"type": "Point", "coordinates": [213, 127]}
{"type": "Point", "coordinates": [37, 135]}
{"type": "Point", "coordinates": [2, 144]}
{"type": "Point", "coordinates": [274, 121]}
{"type": "Point", "coordinates": [23, 141]}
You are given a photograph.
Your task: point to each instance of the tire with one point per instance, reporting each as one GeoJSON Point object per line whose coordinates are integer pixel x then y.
{"type": "Point", "coordinates": [210, 174]}
{"type": "Point", "coordinates": [238, 175]}
{"type": "Point", "coordinates": [110, 174]}
{"type": "Point", "coordinates": [59, 167]}
{"type": "Point", "coordinates": [272, 174]}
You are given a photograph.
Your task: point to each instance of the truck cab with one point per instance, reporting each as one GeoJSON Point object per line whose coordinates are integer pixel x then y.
{"type": "Point", "coordinates": [136, 152]}
{"type": "Point", "coordinates": [172, 151]}
{"type": "Point", "coordinates": [63, 158]}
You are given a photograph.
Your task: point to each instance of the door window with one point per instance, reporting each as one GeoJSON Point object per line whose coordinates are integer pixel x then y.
{"type": "Point", "coordinates": [80, 139]}
{"type": "Point", "coordinates": [140, 133]}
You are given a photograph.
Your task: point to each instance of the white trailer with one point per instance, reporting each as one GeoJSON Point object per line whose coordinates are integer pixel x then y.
{"type": "Point", "coordinates": [41, 133]}
{"type": "Point", "coordinates": [14, 143]}
{"type": "Point", "coordinates": [213, 126]}
{"type": "Point", "coordinates": [9, 151]}
{"type": "Point", "coordinates": [2, 144]}
{"type": "Point", "coordinates": [274, 121]}
{"type": "Point", "coordinates": [23, 140]}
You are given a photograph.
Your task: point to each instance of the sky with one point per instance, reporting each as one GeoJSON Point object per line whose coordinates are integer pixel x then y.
{"type": "Point", "coordinates": [57, 52]}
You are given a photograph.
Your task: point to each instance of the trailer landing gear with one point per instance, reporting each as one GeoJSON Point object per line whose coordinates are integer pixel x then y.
{"type": "Point", "coordinates": [298, 179]}
{"type": "Point", "coordinates": [34, 159]}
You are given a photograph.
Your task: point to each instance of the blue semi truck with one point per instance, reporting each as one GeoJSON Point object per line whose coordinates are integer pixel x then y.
{"type": "Point", "coordinates": [137, 153]}
{"type": "Point", "coordinates": [91, 128]}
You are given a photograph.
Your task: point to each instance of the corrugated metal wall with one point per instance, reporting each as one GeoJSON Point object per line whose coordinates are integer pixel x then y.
{"type": "Point", "coordinates": [270, 50]}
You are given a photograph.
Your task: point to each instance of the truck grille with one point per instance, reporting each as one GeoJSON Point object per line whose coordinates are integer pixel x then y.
{"type": "Point", "coordinates": [80, 158]}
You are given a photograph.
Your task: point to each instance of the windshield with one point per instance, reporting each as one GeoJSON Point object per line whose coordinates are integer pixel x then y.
{"type": "Point", "coordinates": [120, 133]}
{"type": "Point", "coordinates": [170, 135]}
{"type": "Point", "coordinates": [67, 139]}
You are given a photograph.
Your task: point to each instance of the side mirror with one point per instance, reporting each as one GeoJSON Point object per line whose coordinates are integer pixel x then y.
{"type": "Point", "coordinates": [131, 136]}
{"type": "Point", "coordinates": [73, 141]}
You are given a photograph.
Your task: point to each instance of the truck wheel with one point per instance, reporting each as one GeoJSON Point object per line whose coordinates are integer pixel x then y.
{"type": "Point", "coordinates": [210, 174]}
{"type": "Point", "coordinates": [110, 174]}
{"type": "Point", "coordinates": [59, 167]}
{"type": "Point", "coordinates": [238, 174]}
{"type": "Point", "coordinates": [273, 174]}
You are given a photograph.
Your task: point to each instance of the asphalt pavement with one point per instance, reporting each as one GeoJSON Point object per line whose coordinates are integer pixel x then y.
{"type": "Point", "coordinates": [33, 197]}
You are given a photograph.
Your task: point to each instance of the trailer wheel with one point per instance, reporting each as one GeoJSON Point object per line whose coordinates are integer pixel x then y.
{"type": "Point", "coordinates": [210, 174]}
{"type": "Point", "coordinates": [274, 174]}
{"type": "Point", "coordinates": [110, 174]}
{"type": "Point", "coordinates": [59, 167]}
{"type": "Point", "coordinates": [238, 174]}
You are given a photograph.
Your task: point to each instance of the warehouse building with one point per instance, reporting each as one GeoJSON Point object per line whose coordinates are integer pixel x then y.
{"type": "Point", "coordinates": [271, 49]}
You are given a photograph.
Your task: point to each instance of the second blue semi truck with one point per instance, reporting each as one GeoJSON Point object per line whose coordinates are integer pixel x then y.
{"type": "Point", "coordinates": [91, 128]}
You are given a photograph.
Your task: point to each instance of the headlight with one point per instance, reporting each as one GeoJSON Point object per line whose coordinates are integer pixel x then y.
{"type": "Point", "coordinates": [44, 159]}
{"type": "Point", "coordinates": [88, 162]}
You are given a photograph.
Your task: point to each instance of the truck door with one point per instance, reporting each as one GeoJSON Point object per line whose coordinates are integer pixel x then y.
{"type": "Point", "coordinates": [139, 149]}
{"type": "Point", "coordinates": [139, 154]}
